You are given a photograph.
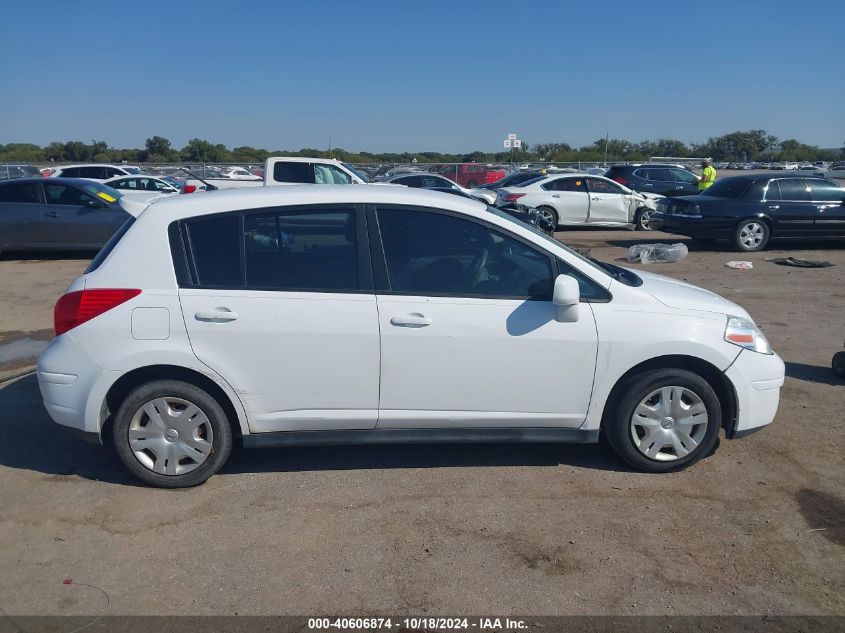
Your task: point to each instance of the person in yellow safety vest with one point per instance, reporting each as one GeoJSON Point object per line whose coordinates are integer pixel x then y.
{"type": "Point", "coordinates": [708, 175]}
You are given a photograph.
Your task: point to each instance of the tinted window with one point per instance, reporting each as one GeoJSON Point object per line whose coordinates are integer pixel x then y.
{"type": "Point", "coordinates": [826, 191]}
{"type": "Point", "coordinates": [727, 188]}
{"type": "Point", "coordinates": [71, 172]}
{"type": "Point", "coordinates": [409, 181]}
{"type": "Point", "coordinates": [293, 172]}
{"type": "Point", "coordinates": [794, 189]}
{"type": "Point", "coordinates": [663, 175]}
{"type": "Point", "coordinates": [111, 172]}
{"type": "Point", "coordinates": [93, 172]}
{"type": "Point", "coordinates": [65, 194]}
{"type": "Point", "coordinates": [566, 184]}
{"type": "Point", "coordinates": [26, 192]}
{"type": "Point", "coordinates": [129, 183]}
{"type": "Point", "coordinates": [311, 250]}
{"type": "Point", "coordinates": [430, 253]}
{"type": "Point", "coordinates": [772, 191]}
{"type": "Point", "coordinates": [430, 182]}
{"type": "Point", "coordinates": [602, 186]}
{"type": "Point", "coordinates": [215, 250]}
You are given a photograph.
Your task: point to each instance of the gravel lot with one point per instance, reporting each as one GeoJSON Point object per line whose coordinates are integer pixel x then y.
{"type": "Point", "coordinates": [757, 528]}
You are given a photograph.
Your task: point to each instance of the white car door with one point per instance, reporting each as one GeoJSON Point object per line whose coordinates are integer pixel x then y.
{"type": "Point", "coordinates": [569, 198]}
{"type": "Point", "coordinates": [294, 330]}
{"type": "Point", "coordinates": [608, 202]}
{"type": "Point", "coordinates": [468, 332]}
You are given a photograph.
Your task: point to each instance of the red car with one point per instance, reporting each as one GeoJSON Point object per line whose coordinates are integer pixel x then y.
{"type": "Point", "coordinates": [472, 175]}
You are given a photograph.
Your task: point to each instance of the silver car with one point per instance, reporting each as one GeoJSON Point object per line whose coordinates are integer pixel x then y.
{"type": "Point", "coordinates": [57, 213]}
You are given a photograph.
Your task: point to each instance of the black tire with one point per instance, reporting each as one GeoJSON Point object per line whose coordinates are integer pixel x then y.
{"type": "Point", "coordinates": [838, 364]}
{"type": "Point", "coordinates": [221, 444]}
{"type": "Point", "coordinates": [550, 213]}
{"type": "Point", "coordinates": [751, 235]}
{"type": "Point", "coordinates": [641, 219]}
{"type": "Point", "coordinates": [617, 423]}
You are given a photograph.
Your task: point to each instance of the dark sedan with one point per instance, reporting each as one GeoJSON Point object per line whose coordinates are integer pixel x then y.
{"type": "Point", "coordinates": [750, 210]}
{"type": "Point", "coordinates": [57, 214]}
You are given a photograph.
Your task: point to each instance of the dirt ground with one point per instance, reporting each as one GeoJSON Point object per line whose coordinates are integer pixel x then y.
{"type": "Point", "coordinates": [756, 528]}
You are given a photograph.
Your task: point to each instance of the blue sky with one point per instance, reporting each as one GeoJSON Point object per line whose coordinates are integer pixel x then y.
{"type": "Point", "coordinates": [416, 76]}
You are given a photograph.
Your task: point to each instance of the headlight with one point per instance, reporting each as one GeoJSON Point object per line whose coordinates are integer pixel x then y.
{"type": "Point", "coordinates": [743, 332]}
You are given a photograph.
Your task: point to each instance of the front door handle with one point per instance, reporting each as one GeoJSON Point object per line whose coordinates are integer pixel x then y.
{"type": "Point", "coordinates": [774, 207]}
{"type": "Point", "coordinates": [216, 315]}
{"type": "Point", "coordinates": [555, 195]}
{"type": "Point", "coordinates": [52, 214]}
{"type": "Point", "coordinates": [415, 319]}
{"type": "Point", "coordinates": [595, 199]}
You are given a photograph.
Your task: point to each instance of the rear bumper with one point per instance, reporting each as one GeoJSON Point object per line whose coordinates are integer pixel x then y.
{"type": "Point", "coordinates": [757, 379]}
{"type": "Point", "coordinates": [703, 227]}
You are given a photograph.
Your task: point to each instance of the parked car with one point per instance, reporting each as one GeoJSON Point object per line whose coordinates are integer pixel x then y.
{"type": "Point", "coordinates": [141, 185]}
{"type": "Point", "coordinates": [94, 172]}
{"type": "Point", "coordinates": [9, 171]}
{"type": "Point", "coordinates": [750, 210]}
{"type": "Point", "coordinates": [582, 199]}
{"type": "Point", "coordinates": [349, 315]}
{"type": "Point", "coordinates": [472, 175]}
{"type": "Point", "coordinates": [511, 180]}
{"type": "Point", "coordinates": [790, 166]}
{"type": "Point", "coordinates": [665, 180]}
{"type": "Point", "coordinates": [529, 216]}
{"type": "Point", "coordinates": [240, 173]}
{"type": "Point", "coordinates": [435, 181]}
{"type": "Point", "coordinates": [57, 214]}
{"type": "Point", "coordinates": [289, 170]}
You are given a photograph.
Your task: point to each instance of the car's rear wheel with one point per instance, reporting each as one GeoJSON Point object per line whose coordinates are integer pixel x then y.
{"type": "Point", "coordinates": [642, 219]}
{"type": "Point", "coordinates": [664, 420]}
{"type": "Point", "coordinates": [549, 214]}
{"type": "Point", "coordinates": [751, 235]}
{"type": "Point", "coordinates": [171, 434]}
{"type": "Point", "coordinates": [838, 364]}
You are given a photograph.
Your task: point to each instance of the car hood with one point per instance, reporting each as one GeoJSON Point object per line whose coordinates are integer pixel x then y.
{"type": "Point", "coordinates": [684, 296]}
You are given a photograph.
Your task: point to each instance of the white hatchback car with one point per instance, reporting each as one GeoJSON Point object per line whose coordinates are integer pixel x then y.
{"type": "Point", "coordinates": [347, 315]}
{"type": "Point", "coordinates": [141, 185]}
{"type": "Point", "coordinates": [575, 199]}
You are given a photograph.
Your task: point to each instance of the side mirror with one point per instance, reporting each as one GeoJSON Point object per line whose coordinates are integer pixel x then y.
{"type": "Point", "coordinates": [566, 298]}
{"type": "Point", "coordinates": [94, 204]}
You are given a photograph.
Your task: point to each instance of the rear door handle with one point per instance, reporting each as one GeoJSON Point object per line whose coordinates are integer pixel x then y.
{"type": "Point", "coordinates": [774, 207]}
{"type": "Point", "coordinates": [52, 214]}
{"type": "Point", "coordinates": [216, 315]}
{"type": "Point", "coordinates": [415, 319]}
{"type": "Point", "coordinates": [555, 195]}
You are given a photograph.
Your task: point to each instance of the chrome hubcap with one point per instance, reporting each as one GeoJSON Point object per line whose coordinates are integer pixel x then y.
{"type": "Point", "coordinates": [547, 215]}
{"type": "Point", "coordinates": [645, 218]}
{"type": "Point", "coordinates": [669, 423]}
{"type": "Point", "coordinates": [752, 235]}
{"type": "Point", "coordinates": [170, 436]}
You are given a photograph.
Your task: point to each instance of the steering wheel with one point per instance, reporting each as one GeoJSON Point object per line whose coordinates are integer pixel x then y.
{"type": "Point", "coordinates": [477, 266]}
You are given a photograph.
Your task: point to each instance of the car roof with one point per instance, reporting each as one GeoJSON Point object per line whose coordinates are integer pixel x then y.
{"type": "Point", "coordinates": [50, 181]}
{"type": "Point", "coordinates": [248, 198]}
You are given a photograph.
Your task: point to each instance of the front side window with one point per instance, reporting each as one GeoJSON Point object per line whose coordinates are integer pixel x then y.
{"type": "Point", "coordinates": [429, 253]}
{"type": "Point", "coordinates": [662, 175]}
{"type": "Point", "coordinates": [301, 250]}
{"type": "Point", "coordinates": [71, 172]}
{"type": "Point", "coordinates": [603, 186]}
{"type": "Point", "coordinates": [684, 176]}
{"type": "Point", "coordinates": [94, 171]}
{"type": "Point", "coordinates": [20, 192]}
{"type": "Point", "coordinates": [65, 194]}
{"type": "Point", "coordinates": [794, 190]}
{"type": "Point", "coordinates": [126, 183]}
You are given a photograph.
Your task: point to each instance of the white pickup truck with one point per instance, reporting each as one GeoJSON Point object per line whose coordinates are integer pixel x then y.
{"type": "Point", "coordinates": [288, 170]}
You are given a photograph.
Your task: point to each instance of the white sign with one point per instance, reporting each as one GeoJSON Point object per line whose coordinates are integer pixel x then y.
{"type": "Point", "coordinates": [511, 137]}
{"type": "Point", "coordinates": [507, 143]}
{"type": "Point", "coordinates": [517, 142]}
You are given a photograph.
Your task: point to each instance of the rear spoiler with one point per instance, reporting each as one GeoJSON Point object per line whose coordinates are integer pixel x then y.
{"type": "Point", "coordinates": [135, 206]}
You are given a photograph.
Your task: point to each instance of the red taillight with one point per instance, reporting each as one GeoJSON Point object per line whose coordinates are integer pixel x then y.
{"type": "Point", "coordinates": [621, 180]}
{"type": "Point", "coordinates": [75, 308]}
{"type": "Point", "coordinates": [189, 189]}
{"type": "Point", "coordinates": [513, 197]}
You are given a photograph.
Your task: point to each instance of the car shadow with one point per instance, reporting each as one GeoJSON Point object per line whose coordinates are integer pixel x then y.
{"type": "Point", "coordinates": [30, 440]}
{"type": "Point", "coordinates": [813, 373]}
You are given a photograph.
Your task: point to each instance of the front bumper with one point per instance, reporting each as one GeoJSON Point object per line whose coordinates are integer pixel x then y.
{"type": "Point", "coordinates": [757, 379]}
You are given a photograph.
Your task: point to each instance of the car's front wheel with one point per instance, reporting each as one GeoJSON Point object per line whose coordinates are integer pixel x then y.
{"type": "Point", "coordinates": [171, 434]}
{"type": "Point", "coordinates": [549, 214]}
{"type": "Point", "coordinates": [664, 420]}
{"type": "Point", "coordinates": [751, 235]}
{"type": "Point", "coordinates": [642, 220]}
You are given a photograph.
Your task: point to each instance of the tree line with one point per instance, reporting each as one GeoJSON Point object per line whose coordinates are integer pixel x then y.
{"type": "Point", "coordinates": [751, 145]}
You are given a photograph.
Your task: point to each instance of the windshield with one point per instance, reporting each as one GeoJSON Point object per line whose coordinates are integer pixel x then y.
{"type": "Point", "coordinates": [727, 188]}
{"type": "Point", "coordinates": [104, 192]}
{"type": "Point", "coordinates": [364, 177]}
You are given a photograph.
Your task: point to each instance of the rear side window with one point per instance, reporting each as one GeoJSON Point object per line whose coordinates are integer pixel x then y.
{"type": "Point", "coordinates": [93, 172]}
{"type": "Point", "coordinates": [566, 184]}
{"type": "Point", "coordinates": [409, 181]}
{"type": "Point", "coordinates": [71, 172]}
{"type": "Point", "coordinates": [24, 192]}
{"type": "Point", "coordinates": [794, 190]}
{"type": "Point", "coordinates": [301, 250]}
{"type": "Point", "coordinates": [215, 251]}
{"type": "Point", "coordinates": [293, 172]}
